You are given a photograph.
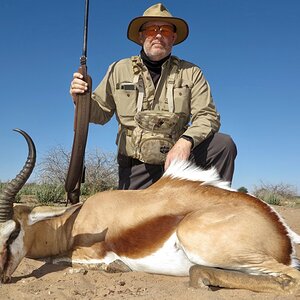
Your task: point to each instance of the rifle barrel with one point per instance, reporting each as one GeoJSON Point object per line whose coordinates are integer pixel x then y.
{"type": "Point", "coordinates": [85, 33]}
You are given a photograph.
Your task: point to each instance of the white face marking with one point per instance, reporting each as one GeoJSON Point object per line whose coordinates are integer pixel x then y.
{"type": "Point", "coordinates": [17, 251]}
{"type": "Point", "coordinates": [6, 229]}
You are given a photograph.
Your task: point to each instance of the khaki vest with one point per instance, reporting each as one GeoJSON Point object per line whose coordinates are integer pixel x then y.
{"type": "Point", "coordinates": [155, 132]}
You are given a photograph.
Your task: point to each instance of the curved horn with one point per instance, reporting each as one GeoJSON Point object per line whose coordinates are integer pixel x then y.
{"type": "Point", "coordinates": [8, 194]}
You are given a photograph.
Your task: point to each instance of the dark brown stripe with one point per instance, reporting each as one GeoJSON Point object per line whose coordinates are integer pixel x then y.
{"type": "Point", "coordinates": [144, 239]}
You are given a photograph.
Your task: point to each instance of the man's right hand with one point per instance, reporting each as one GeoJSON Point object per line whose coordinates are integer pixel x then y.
{"type": "Point", "coordinates": [78, 86]}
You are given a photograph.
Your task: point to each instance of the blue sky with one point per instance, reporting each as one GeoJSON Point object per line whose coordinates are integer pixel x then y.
{"type": "Point", "coordinates": [249, 52]}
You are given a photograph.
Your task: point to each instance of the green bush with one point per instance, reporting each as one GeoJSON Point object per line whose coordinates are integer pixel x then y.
{"type": "Point", "coordinates": [49, 193]}
{"type": "Point", "coordinates": [29, 189]}
{"type": "Point", "coordinates": [269, 196]}
{"type": "Point", "coordinates": [276, 194]}
{"type": "Point", "coordinates": [89, 189]}
{"type": "Point", "coordinates": [242, 189]}
{"type": "Point", "coordinates": [273, 199]}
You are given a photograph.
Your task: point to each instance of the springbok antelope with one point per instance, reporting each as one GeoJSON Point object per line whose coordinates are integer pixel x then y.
{"type": "Point", "coordinates": [187, 223]}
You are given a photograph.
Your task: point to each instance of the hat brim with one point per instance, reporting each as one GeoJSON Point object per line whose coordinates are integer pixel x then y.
{"type": "Point", "coordinates": [182, 28]}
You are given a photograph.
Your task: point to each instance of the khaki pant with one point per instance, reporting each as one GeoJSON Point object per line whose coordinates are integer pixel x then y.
{"type": "Point", "coordinates": [218, 150]}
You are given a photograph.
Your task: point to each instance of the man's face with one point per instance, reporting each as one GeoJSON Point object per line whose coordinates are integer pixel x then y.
{"type": "Point", "coordinates": [157, 39]}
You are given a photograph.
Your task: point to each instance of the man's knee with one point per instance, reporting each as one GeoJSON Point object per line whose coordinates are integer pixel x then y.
{"type": "Point", "coordinates": [227, 144]}
{"type": "Point", "coordinates": [219, 147]}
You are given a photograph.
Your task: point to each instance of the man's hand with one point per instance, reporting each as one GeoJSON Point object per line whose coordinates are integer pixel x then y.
{"type": "Point", "coordinates": [78, 86]}
{"type": "Point", "coordinates": [181, 150]}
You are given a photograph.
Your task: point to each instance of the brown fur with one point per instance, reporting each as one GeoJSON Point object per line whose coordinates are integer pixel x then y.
{"type": "Point", "coordinates": [218, 227]}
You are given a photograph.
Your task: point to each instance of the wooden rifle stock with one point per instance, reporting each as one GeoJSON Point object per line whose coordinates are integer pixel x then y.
{"type": "Point", "coordinates": [75, 174]}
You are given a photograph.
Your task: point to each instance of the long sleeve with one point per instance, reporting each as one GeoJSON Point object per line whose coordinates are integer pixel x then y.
{"type": "Point", "coordinates": [205, 119]}
{"type": "Point", "coordinates": [103, 105]}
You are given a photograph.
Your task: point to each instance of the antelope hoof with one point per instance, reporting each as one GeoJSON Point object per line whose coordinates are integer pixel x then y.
{"type": "Point", "coordinates": [117, 266]}
{"type": "Point", "coordinates": [204, 284]}
{"type": "Point", "coordinates": [287, 283]}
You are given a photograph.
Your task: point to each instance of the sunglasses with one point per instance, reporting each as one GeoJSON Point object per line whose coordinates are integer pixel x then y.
{"type": "Point", "coordinates": [165, 30]}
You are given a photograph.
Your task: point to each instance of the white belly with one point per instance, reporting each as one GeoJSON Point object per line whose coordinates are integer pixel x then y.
{"type": "Point", "coordinates": [169, 260]}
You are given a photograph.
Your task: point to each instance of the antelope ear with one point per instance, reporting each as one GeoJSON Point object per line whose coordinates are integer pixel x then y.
{"type": "Point", "coordinates": [48, 212]}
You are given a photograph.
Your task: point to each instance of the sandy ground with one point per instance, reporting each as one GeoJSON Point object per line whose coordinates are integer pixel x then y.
{"type": "Point", "coordinates": [38, 280]}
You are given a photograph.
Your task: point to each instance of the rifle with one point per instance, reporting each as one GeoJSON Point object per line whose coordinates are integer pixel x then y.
{"type": "Point", "coordinates": [75, 175]}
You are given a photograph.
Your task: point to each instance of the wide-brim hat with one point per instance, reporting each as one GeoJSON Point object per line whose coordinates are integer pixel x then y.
{"type": "Point", "coordinates": [157, 12]}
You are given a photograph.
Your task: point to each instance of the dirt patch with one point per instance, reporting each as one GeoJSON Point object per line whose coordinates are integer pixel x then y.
{"type": "Point", "coordinates": [38, 280]}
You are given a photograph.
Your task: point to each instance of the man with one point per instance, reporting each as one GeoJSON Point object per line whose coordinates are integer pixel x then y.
{"type": "Point", "coordinates": [163, 105]}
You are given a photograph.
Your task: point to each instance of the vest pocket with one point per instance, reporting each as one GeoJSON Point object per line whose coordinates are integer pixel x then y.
{"type": "Point", "coordinates": [126, 102]}
{"type": "Point", "coordinates": [182, 99]}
